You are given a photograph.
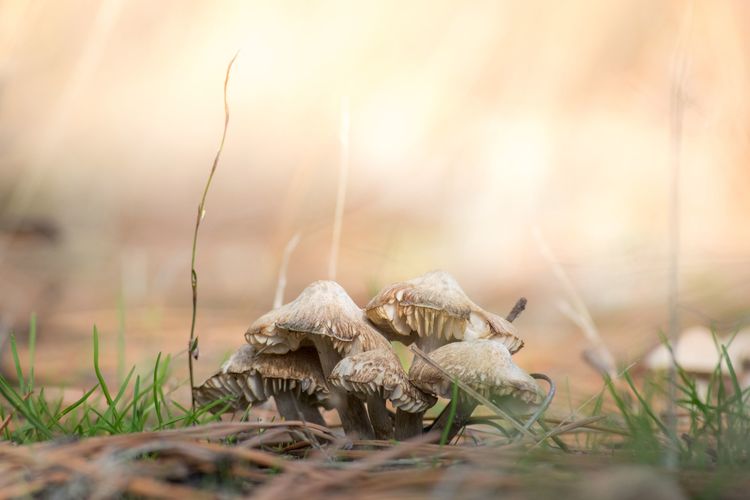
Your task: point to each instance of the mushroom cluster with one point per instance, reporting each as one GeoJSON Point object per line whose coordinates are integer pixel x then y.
{"type": "Point", "coordinates": [322, 350]}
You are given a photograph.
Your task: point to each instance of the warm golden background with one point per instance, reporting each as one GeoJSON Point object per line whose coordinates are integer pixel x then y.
{"type": "Point", "coordinates": [471, 124]}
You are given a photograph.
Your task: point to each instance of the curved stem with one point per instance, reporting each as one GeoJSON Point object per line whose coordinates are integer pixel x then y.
{"type": "Point", "coordinates": [547, 400]}
{"type": "Point", "coordinates": [490, 422]}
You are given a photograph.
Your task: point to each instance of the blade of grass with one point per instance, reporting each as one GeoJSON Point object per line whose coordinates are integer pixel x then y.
{"type": "Point", "coordinates": [120, 337]}
{"type": "Point", "coordinates": [21, 405]}
{"type": "Point", "coordinates": [77, 403]}
{"type": "Point", "coordinates": [733, 377]}
{"type": "Point", "coordinates": [451, 413]}
{"type": "Point", "coordinates": [649, 411]}
{"type": "Point", "coordinates": [97, 370]}
{"type": "Point", "coordinates": [155, 391]}
{"type": "Point", "coordinates": [32, 350]}
{"type": "Point", "coordinates": [17, 363]}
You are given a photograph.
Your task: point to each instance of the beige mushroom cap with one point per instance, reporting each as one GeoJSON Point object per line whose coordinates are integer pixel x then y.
{"type": "Point", "coordinates": [379, 372]}
{"type": "Point", "coordinates": [695, 352]}
{"type": "Point", "coordinates": [435, 305]}
{"type": "Point", "coordinates": [252, 378]}
{"type": "Point", "coordinates": [323, 309]}
{"type": "Point", "coordinates": [484, 365]}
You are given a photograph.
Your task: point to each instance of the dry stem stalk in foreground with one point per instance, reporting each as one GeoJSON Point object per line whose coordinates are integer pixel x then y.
{"type": "Point", "coordinates": [598, 355]}
{"type": "Point", "coordinates": [278, 297]}
{"type": "Point", "coordinates": [676, 112]}
{"type": "Point", "coordinates": [341, 193]}
{"type": "Point", "coordinates": [193, 343]}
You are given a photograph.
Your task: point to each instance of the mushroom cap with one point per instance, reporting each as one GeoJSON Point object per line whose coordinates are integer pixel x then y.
{"type": "Point", "coordinates": [323, 310]}
{"type": "Point", "coordinates": [252, 378]}
{"type": "Point", "coordinates": [379, 372]}
{"type": "Point", "coordinates": [484, 365]}
{"type": "Point", "coordinates": [695, 352]}
{"type": "Point", "coordinates": [739, 349]}
{"type": "Point", "coordinates": [434, 305]}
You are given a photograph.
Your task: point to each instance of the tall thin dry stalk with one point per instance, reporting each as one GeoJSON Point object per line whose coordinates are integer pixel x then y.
{"type": "Point", "coordinates": [341, 194]}
{"type": "Point", "coordinates": [278, 298]}
{"type": "Point", "coordinates": [598, 355]}
{"type": "Point", "coordinates": [193, 344]}
{"type": "Point", "coordinates": [676, 114]}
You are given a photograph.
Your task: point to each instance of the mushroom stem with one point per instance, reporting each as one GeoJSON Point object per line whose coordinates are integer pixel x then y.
{"type": "Point", "coordinates": [382, 421]}
{"type": "Point", "coordinates": [352, 411]}
{"type": "Point", "coordinates": [408, 424]}
{"type": "Point", "coordinates": [291, 408]}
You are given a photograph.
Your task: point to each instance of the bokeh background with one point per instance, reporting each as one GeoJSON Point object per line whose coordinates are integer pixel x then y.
{"type": "Point", "coordinates": [480, 133]}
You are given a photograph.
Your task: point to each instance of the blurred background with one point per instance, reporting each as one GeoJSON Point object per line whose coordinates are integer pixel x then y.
{"type": "Point", "coordinates": [505, 142]}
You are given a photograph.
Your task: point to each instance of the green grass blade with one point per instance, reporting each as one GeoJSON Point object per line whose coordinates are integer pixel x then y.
{"type": "Point", "coordinates": [733, 378]}
{"type": "Point", "coordinates": [32, 350]}
{"type": "Point", "coordinates": [120, 338]}
{"type": "Point", "coordinates": [97, 370]}
{"type": "Point", "coordinates": [155, 391]}
{"type": "Point", "coordinates": [451, 414]}
{"type": "Point", "coordinates": [649, 411]}
{"type": "Point", "coordinates": [78, 402]}
{"type": "Point", "coordinates": [23, 407]}
{"type": "Point", "coordinates": [17, 363]}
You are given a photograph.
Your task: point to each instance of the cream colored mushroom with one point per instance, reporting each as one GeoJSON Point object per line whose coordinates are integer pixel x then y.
{"type": "Point", "coordinates": [485, 366]}
{"type": "Point", "coordinates": [695, 351]}
{"type": "Point", "coordinates": [295, 380]}
{"type": "Point", "coordinates": [377, 376]}
{"type": "Point", "coordinates": [698, 354]}
{"type": "Point", "coordinates": [433, 310]}
{"type": "Point", "coordinates": [323, 316]}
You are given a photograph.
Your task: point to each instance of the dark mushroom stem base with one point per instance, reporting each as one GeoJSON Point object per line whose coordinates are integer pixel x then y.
{"type": "Point", "coordinates": [382, 421]}
{"type": "Point", "coordinates": [292, 408]}
{"type": "Point", "coordinates": [408, 424]}
{"type": "Point", "coordinates": [352, 411]}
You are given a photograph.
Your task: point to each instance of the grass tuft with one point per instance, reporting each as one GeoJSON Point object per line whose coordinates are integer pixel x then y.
{"type": "Point", "coordinates": [29, 415]}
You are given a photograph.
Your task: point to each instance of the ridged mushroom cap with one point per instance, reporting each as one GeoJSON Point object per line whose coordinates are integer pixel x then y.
{"type": "Point", "coordinates": [434, 305]}
{"type": "Point", "coordinates": [322, 310]}
{"type": "Point", "coordinates": [252, 378]}
{"type": "Point", "coordinates": [484, 365]}
{"type": "Point", "coordinates": [379, 372]}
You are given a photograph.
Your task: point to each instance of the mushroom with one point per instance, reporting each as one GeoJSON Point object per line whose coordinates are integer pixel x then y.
{"type": "Point", "coordinates": [323, 316]}
{"type": "Point", "coordinates": [485, 366]}
{"type": "Point", "coordinates": [377, 376]}
{"type": "Point", "coordinates": [698, 355]}
{"type": "Point", "coordinates": [695, 352]}
{"type": "Point", "coordinates": [433, 310]}
{"type": "Point", "coordinates": [295, 380]}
